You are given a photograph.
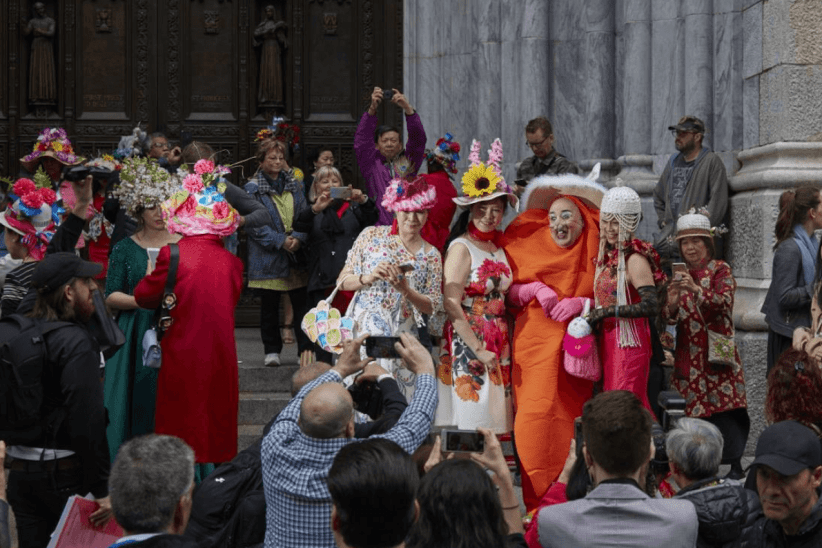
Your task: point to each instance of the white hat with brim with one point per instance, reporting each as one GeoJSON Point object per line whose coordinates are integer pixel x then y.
{"type": "Point", "coordinates": [466, 201]}
{"type": "Point", "coordinates": [5, 223]}
{"type": "Point", "coordinates": [542, 191]}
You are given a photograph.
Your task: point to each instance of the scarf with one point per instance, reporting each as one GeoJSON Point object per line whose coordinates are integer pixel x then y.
{"type": "Point", "coordinates": [477, 234]}
{"type": "Point", "coordinates": [809, 248]}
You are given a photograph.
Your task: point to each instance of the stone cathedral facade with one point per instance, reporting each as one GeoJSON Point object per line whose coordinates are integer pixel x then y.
{"type": "Point", "coordinates": [612, 75]}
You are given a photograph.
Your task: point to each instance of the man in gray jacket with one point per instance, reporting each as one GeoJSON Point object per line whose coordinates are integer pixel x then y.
{"type": "Point", "coordinates": [693, 178]}
{"type": "Point", "coordinates": [617, 512]}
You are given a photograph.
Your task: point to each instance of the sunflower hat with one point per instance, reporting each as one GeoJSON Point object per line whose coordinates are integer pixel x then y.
{"type": "Point", "coordinates": [484, 181]}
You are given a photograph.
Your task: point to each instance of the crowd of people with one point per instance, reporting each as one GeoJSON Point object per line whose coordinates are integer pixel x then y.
{"type": "Point", "coordinates": [547, 338]}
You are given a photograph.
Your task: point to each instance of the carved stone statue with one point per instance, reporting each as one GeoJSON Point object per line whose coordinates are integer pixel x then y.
{"type": "Point", "coordinates": [270, 36]}
{"type": "Point", "coordinates": [42, 76]}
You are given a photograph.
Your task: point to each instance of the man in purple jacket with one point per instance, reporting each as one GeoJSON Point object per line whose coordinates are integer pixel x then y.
{"type": "Point", "coordinates": [383, 158]}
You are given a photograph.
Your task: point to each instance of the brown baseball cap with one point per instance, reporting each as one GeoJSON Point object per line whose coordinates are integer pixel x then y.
{"type": "Point", "coordinates": [689, 123]}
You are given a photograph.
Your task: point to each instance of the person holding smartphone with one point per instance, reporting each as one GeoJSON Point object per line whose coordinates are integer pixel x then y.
{"type": "Point", "coordinates": [336, 217]}
{"type": "Point", "coordinates": [701, 297]}
{"type": "Point", "coordinates": [131, 389]}
{"type": "Point", "coordinates": [389, 301]}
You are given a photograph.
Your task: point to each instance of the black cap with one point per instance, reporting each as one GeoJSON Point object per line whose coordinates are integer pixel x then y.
{"type": "Point", "coordinates": [56, 269]}
{"type": "Point", "coordinates": [689, 123]}
{"type": "Point", "coordinates": [788, 447]}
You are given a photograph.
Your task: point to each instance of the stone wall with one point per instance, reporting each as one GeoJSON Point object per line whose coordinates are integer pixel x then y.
{"type": "Point", "coordinates": [613, 75]}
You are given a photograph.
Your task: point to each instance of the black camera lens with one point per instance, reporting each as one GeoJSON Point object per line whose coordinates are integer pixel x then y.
{"type": "Point", "coordinates": [387, 94]}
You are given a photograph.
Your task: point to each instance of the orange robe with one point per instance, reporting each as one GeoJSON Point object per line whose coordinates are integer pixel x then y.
{"type": "Point", "coordinates": [546, 398]}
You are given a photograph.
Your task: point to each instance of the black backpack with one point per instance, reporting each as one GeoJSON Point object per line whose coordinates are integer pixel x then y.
{"type": "Point", "coordinates": [228, 507]}
{"type": "Point", "coordinates": [25, 418]}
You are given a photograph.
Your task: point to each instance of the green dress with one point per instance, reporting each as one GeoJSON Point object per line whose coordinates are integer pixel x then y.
{"type": "Point", "coordinates": [130, 388]}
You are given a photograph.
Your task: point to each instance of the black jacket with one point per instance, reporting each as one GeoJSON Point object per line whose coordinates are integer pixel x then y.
{"type": "Point", "coordinates": [767, 533]}
{"type": "Point", "coordinates": [330, 238]}
{"type": "Point", "coordinates": [726, 511]}
{"type": "Point", "coordinates": [73, 383]}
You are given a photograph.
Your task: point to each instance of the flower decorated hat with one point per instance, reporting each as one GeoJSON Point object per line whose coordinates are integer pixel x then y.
{"type": "Point", "coordinates": [33, 215]}
{"type": "Point", "coordinates": [697, 223]}
{"type": "Point", "coordinates": [404, 195]}
{"type": "Point", "coordinates": [483, 182]}
{"type": "Point", "coordinates": [543, 190]}
{"type": "Point", "coordinates": [200, 207]}
{"type": "Point", "coordinates": [144, 184]}
{"type": "Point", "coordinates": [51, 143]}
{"type": "Point", "coordinates": [446, 153]}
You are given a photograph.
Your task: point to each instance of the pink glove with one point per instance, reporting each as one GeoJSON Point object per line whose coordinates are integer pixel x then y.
{"type": "Point", "coordinates": [522, 294]}
{"type": "Point", "coordinates": [567, 308]}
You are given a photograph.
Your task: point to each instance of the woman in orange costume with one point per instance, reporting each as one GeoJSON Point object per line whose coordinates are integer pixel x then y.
{"type": "Point", "coordinates": [551, 247]}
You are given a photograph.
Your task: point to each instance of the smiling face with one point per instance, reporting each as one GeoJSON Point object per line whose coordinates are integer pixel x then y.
{"type": "Point", "coordinates": [610, 229]}
{"type": "Point", "coordinates": [274, 163]}
{"type": "Point", "coordinates": [322, 185]}
{"type": "Point", "coordinates": [411, 222]}
{"type": "Point", "coordinates": [565, 222]}
{"type": "Point", "coordinates": [486, 216]}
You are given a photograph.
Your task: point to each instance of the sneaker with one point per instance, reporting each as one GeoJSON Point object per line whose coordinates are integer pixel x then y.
{"type": "Point", "coordinates": [272, 360]}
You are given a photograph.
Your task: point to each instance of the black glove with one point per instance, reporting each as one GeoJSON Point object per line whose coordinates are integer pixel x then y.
{"type": "Point", "coordinates": [647, 307]}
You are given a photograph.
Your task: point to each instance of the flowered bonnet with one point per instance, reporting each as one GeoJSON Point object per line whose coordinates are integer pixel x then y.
{"type": "Point", "coordinates": [144, 184]}
{"type": "Point", "coordinates": [33, 215]}
{"type": "Point", "coordinates": [52, 143]}
{"type": "Point", "coordinates": [405, 195]}
{"type": "Point", "coordinates": [446, 153]}
{"type": "Point", "coordinates": [199, 207]}
{"type": "Point", "coordinates": [483, 182]}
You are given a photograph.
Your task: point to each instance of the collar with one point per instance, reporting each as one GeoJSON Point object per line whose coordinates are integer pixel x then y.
{"type": "Point", "coordinates": [618, 488]}
{"type": "Point", "coordinates": [133, 539]}
{"type": "Point", "coordinates": [707, 482]}
{"type": "Point", "coordinates": [548, 160]}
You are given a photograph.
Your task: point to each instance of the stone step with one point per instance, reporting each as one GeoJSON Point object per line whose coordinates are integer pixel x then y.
{"type": "Point", "coordinates": [260, 407]}
{"type": "Point", "coordinates": [266, 379]}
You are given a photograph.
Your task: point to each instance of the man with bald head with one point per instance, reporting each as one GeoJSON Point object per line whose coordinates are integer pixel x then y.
{"type": "Point", "coordinates": [319, 421]}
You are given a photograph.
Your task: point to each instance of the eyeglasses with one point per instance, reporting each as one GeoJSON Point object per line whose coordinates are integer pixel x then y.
{"type": "Point", "coordinates": [535, 145]}
{"type": "Point", "coordinates": [160, 145]}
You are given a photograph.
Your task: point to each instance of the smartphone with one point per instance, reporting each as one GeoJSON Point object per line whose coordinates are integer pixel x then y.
{"type": "Point", "coordinates": [340, 193]}
{"type": "Point", "coordinates": [153, 252]}
{"type": "Point", "coordinates": [578, 436]}
{"type": "Point", "coordinates": [678, 269]}
{"type": "Point", "coordinates": [462, 441]}
{"type": "Point", "coordinates": [406, 267]}
{"type": "Point", "coordinates": [381, 347]}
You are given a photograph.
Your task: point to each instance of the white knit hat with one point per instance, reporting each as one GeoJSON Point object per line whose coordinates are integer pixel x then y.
{"type": "Point", "coordinates": [621, 200]}
{"type": "Point", "coordinates": [693, 224]}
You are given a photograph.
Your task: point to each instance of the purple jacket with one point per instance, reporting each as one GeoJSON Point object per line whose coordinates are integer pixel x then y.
{"type": "Point", "coordinates": [373, 165]}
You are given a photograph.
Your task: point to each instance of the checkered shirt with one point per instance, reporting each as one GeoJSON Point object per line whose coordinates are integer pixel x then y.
{"type": "Point", "coordinates": [295, 467]}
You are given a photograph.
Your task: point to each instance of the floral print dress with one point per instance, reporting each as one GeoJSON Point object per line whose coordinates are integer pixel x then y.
{"type": "Point", "coordinates": [381, 310]}
{"type": "Point", "coordinates": [707, 389]}
{"type": "Point", "coordinates": [470, 395]}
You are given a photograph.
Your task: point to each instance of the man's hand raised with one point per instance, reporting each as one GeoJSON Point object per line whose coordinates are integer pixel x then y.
{"type": "Point", "coordinates": [349, 361]}
{"type": "Point", "coordinates": [415, 356]}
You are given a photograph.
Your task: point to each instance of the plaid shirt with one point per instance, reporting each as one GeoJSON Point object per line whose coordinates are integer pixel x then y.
{"type": "Point", "coordinates": [295, 467]}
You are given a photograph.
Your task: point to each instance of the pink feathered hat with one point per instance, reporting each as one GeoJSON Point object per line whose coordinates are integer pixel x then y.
{"type": "Point", "coordinates": [404, 195]}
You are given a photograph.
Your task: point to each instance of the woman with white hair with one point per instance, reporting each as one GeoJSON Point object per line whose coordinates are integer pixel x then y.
{"type": "Point", "coordinates": [625, 289]}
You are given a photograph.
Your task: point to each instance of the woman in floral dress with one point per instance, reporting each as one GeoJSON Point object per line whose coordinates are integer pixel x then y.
{"type": "Point", "coordinates": [625, 289]}
{"type": "Point", "coordinates": [698, 300]}
{"type": "Point", "coordinates": [474, 374]}
{"type": "Point", "coordinates": [389, 301]}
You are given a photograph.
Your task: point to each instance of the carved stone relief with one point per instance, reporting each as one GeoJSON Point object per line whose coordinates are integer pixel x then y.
{"type": "Point", "coordinates": [211, 22]}
{"type": "Point", "coordinates": [270, 38]}
{"type": "Point", "coordinates": [42, 74]}
{"type": "Point", "coordinates": [103, 21]}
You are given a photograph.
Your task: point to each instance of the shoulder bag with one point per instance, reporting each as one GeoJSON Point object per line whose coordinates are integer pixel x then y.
{"type": "Point", "coordinates": [152, 352]}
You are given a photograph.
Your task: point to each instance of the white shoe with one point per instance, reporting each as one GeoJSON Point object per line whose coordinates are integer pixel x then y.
{"type": "Point", "coordinates": [272, 360]}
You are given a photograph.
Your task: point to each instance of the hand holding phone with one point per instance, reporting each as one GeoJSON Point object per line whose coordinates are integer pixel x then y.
{"type": "Point", "coordinates": [463, 441]}
{"type": "Point", "coordinates": [679, 270]}
{"type": "Point", "coordinates": [381, 347]}
{"type": "Point", "coordinates": [340, 193]}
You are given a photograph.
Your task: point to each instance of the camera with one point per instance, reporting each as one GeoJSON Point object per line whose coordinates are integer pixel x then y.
{"type": "Point", "coordinates": [387, 94]}
{"type": "Point", "coordinates": [673, 408]}
{"type": "Point", "coordinates": [78, 173]}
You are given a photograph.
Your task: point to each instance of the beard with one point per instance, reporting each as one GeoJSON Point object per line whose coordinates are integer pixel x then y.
{"type": "Point", "coordinates": [83, 311]}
